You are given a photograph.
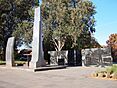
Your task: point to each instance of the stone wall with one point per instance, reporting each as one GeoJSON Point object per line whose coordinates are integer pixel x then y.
{"type": "Point", "coordinates": [96, 56]}
{"type": "Point", "coordinates": [69, 57]}
{"type": "Point", "coordinates": [58, 57]}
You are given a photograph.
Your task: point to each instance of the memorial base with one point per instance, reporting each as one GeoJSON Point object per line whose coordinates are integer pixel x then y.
{"type": "Point", "coordinates": [37, 64]}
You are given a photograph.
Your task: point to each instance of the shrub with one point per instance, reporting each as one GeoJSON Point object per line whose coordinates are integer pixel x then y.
{"type": "Point", "coordinates": [112, 69]}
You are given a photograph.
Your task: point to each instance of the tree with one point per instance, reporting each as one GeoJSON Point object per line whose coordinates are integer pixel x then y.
{"type": "Point", "coordinates": [55, 21]}
{"type": "Point", "coordinates": [81, 20]}
{"type": "Point", "coordinates": [87, 41]}
{"type": "Point", "coordinates": [12, 12]}
{"type": "Point", "coordinates": [23, 33]}
{"type": "Point", "coordinates": [48, 44]}
{"type": "Point", "coordinates": [112, 42]}
{"type": "Point", "coordinates": [68, 18]}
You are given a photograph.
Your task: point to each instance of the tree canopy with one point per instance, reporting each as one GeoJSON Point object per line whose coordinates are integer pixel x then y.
{"type": "Point", "coordinates": [12, 13]}
{"type": "Point", "coordinates": [64, 22]}
{"type": "Point", "coordinates": [112, 42]}
{"type": "Point", "coordinates": [68, 18]}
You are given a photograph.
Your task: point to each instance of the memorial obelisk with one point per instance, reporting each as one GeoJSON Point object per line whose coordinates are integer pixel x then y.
{"type": "Point", "coordinates": [37, 46]}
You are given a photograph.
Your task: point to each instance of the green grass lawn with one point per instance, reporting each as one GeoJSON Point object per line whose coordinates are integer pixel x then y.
{"type": "Point", "coordinates": [16, 62]}
{"type": "Point", "coordinates": [2, 62]}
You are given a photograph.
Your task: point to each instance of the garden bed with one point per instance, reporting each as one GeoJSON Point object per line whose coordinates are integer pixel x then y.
{"type": "Point", "coordinates": [108, 73]}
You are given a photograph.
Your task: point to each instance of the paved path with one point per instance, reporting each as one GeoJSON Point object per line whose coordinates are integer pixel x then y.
{"type": "Point", "coordinates": [74, 77]}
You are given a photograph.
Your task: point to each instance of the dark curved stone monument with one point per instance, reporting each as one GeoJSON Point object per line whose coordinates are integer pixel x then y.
{"type": "Point", "coordinates": [10, 52]}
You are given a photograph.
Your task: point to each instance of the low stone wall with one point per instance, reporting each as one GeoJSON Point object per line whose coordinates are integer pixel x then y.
{"type": "Point", "coordinates": [96, 56]}
{"type": "Point", "coordinates": [68, 57]}
{"type": "Point", "coordinates": [58, 57]}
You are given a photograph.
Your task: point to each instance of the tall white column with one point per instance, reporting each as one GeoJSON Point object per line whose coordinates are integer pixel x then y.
{"type": "Point", "coordinates": [37, 46]}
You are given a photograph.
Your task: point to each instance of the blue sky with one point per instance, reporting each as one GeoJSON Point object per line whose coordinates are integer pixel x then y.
{"type": "Point", "coordinates": [106, 18]}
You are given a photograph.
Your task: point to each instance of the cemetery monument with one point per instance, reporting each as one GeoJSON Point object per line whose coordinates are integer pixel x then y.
{"type": "Point", "coordinates": [37, 46]}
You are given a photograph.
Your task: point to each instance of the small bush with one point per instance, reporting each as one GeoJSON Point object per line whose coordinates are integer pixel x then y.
{"type": "Point", "coordinates": [110, 72]}
{"type": "Point", "coordinates": [112, 69]}
{"type": "Point", "coordinates": [2, 62]}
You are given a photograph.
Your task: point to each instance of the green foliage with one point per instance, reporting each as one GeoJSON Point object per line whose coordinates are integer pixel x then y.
{"type": "Point", "coordinates": [16, 55]}
{"type": "Point", "coordinates": [85, 40]}
{"type": "Point", "coordinates": [20, 62]}
{"type": "Point", "coordinates": [2, 62]}
{"type": "Point", "coordinates": [16, 62]}
{"type": "Point", "coordinates": [48, 44]}
{"type": "Point", "coordinates": [13, 12]}
{"type": "Point", "coordinates": [109, 72]}
{"type": "Point", "coordinates": [23, 34]}
{"type": "Point", "coordinates": [68, 18]}
{"type": "Point", "coordinates": [64, 22]}
{"type": "Point", "coordinates": [112, 69]}
{"type": "Point", "coordinates": [112, 42]}
{"type": "Point", "coordinates": [53, 19]}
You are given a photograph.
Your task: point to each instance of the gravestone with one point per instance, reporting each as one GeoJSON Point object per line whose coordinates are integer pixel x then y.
{"type": "Point", "coordinates": [37, 48]}
{"type": "Point", "coordinates": [10, 52]}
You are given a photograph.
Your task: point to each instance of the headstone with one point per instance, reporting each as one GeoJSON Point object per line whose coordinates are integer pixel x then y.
{"type": "Point", "coordinates": [10, 52]}
{"type": "Point", "coordinates": [37, 48]}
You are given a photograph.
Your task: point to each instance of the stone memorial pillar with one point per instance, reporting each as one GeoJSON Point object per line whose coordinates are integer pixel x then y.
{"type": "Point", "coordinates": [37, 48]}
{"type": "Point", "coordinates": [10, 52]}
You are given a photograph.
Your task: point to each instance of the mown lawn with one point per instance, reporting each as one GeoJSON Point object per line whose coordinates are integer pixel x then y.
{"type": "Point", "coordinates": [16, 62]}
